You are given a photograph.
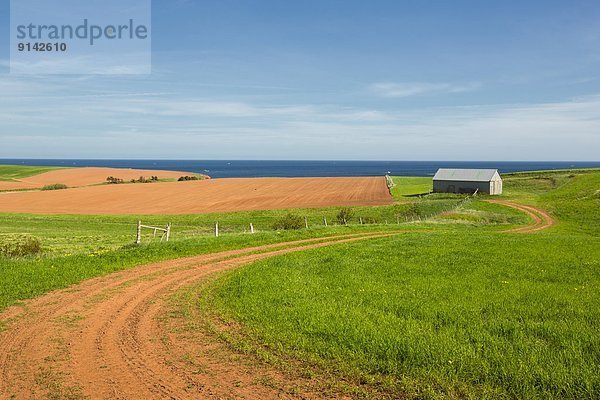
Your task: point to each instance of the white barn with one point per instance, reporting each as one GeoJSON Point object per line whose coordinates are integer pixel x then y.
{"type": "Point", "coordinates": [447, 180]}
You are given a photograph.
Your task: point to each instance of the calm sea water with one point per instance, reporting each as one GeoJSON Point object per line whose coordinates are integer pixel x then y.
{"type": "Point", "coordinates": [247, 169]}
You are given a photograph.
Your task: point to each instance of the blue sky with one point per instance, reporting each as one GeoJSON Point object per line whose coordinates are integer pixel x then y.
{"type": "Point", "coordinates": [388, 80]}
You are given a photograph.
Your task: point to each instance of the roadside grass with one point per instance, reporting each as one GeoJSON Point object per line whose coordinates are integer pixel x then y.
{"type": "Point", "coordinates": [577, 203]}
{"type": "Point", "coordinates": [410, 186]}
{"type": "Point", "coordinates": [481, 213]}
{"type": "Point", "coordinates": [463, 313]}
{"type": "Point", "coordinates": [79, 247]}
{"type": "Point", "coordinates": [70, 234]}
{"type": "Point", "coordinates": [571, 196]}
{"type": "Point", "coordinates": [12, 172]}
{"type": "Point", "coordinates": [27, 277]}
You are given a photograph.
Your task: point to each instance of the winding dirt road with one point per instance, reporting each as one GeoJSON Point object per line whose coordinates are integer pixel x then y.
{"type": "Point", "coordinates": [541, 219]}
{"type": "Point", "coordinates": [105, 339]}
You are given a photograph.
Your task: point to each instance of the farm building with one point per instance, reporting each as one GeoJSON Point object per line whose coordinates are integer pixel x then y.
{"type": "Point", "coordinates": [448, 180]}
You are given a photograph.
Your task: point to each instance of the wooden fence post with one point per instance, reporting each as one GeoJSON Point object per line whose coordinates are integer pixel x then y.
{"type": "Point", "coordinates": [325, 220]}
{"type": "Point", "coordinates": [168, 231]}
{"type": "Point", "coordinates": [216, 229]}
{"type": "Point", "coordinates": [138, 239]}
{"type": "Point", "coordinates": [251, 228]}
{"type": "Point", "coordinates": [360, 219]}
{"type": "Point", "coordinates": [306, 222]}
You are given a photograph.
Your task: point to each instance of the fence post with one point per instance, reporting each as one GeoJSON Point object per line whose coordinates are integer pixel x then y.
{"type": "Point", "coordinates": [168, 231]}
{"type": "Point", "coordinates": [325, 220]}
{"type": "Point", "coordinates": [360, 219]}
{"type": "Point", "coordinates": [216, 229]}
{"type": "Point", "coordinates": [251, 228]}
{"type": "Point", "coordinates": [306, 222]}
{"type": "Point", "coordinates": [398, 219]}
{"type": "Point", "coordinates": [139, 233]}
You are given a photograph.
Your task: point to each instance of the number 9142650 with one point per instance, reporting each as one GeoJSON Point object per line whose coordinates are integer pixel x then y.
{"type": "Point", "coordinates": [54, 47]}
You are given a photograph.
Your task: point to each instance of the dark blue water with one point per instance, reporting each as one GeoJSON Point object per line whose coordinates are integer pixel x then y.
{"type": "Point", "coordinates": [247, 169]}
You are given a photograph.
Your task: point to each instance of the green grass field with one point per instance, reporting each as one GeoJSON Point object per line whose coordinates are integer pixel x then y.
{"type": "Point", "coordinates": [466, 313]}
{"type": "Point", "coordinates": [410, 186]}
{"type": "Point", "coordinates": [12, 172]}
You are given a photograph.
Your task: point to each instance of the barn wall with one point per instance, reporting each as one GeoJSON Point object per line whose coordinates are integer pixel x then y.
{"type": "Point", "coordinates": [460, 186]}
{"type": "Point", "coordinates": [496, 187]}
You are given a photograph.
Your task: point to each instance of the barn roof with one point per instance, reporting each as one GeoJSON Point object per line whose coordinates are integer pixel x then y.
{"type": "Point", "coordinates": [454, 174]}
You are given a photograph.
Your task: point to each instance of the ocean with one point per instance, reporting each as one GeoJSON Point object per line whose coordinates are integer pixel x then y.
{"type": "Point", "coordinates": [253, 168]}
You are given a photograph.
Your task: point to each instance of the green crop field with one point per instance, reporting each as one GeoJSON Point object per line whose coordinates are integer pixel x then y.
{"type": "Point", "coordinates": [12, 172]}
{"type": "Point", "coordinates": [461, 313]}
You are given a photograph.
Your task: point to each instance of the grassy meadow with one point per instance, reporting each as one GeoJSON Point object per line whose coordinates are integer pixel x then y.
{"type": "Point", "coordinates": [462, 313]}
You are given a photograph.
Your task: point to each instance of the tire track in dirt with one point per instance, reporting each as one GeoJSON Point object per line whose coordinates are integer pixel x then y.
{"type": "Point", "coordinates": [541, 219]}
{"type": "Point", "coordinates": [101, 339]}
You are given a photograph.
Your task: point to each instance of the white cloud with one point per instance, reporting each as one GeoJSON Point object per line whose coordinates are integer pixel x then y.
{"type": "Point", "coordinates": [36, 120]}
{"type": "Point", "coordinates": [390, 89]}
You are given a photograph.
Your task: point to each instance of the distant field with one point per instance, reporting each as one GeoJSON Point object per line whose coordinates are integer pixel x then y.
{"type": "Point", "coordinates": [201, 197]}
{"type": "Point", "coordinates": [8, 173]}
{"type": "Point", "coordinates": [460, 314]}
{"type": "Point", "coordinates": [36, 177]}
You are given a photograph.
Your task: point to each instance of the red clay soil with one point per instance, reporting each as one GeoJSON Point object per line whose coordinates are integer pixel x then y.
{"type": "Point", "coordinates": [197, 197]}
{"type": "Point", "coordinates": [85, 177]}
{"type": "Point", "coordinates": [541, 219]}
{"type": "Point", "coordinates": [105, 338]}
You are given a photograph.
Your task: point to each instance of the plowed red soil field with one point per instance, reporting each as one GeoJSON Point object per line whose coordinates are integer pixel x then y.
{"type": "Point", "coordinates": [197, 197]}
{"type": "Point", "coordinates": [85, 177]}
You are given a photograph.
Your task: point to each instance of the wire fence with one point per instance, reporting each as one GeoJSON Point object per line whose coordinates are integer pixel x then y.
{"type": "Point", "coordinates": [408, 213]}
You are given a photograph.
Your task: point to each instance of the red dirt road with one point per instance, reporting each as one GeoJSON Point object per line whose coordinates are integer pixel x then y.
{"type": "Point", "coordinates": [85, 177]}
{"type": "Point", "coordinates": [541, 219]}
{"type": "Point", "coordinates": [105, 338]}
{"type": "Point", "coordinates": [197, 197]}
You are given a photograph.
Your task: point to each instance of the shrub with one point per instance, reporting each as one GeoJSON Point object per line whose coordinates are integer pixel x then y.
{"type": "Point", "coordinates": [189, 178]}
{"type": "Point", "coordinates": [113, 180]}
{"type": "Point", "coordinates": [55, 186]}
{"type": "Point", "coordinates": [289, 222]}
{"type": "Point", "coordinates": [344, 216]}
{"type": "Point", "coordinates": [143, 179]}
{"type": "Point", "coordinates": [21, 247]}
